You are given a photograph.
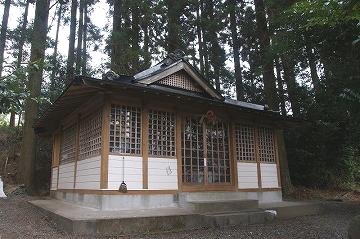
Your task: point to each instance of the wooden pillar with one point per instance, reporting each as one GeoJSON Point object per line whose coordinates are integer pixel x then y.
{"type": "Point", "coordinates": [257, 156]}
{"type": "Point", "coordinates": [56, 154]}
{"type": "Point", "coordinates": [178, 149]}
{"type": "Point", "coordinates": [233, 158]}
{"type": "Point", "coordinates": [105, 131]}
{"type": "Point", "coordinates": [77, 140]}
{"type": "Point", "coordinates": [145, 145]}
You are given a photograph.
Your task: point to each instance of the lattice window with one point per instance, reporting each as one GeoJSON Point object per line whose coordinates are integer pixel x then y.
{"type": "Point", "coordinates": [161, 133]}
{"type": "Point", "coordinates": [181, 80]}
{"type": "Point", "coordinates": [218, 160]}
{"type": "Point", "coordinates": [267, 152]}
{"type": "Point", "coordinates": [125, 130]}
{"type": "Point", "coordinates": [192, 146]}
{"type": "Point", "coordinates": [68, 141]}
{"type": "Point", "coordinates": [245, 143]}
{"type": "Point", "coordinates": [90, 136]}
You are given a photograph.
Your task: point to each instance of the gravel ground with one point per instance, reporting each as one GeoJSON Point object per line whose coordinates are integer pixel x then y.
{"type": "Point", "coordinates": [19, 219]}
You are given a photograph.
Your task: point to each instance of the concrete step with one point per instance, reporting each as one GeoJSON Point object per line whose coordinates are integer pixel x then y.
{"type": "Point", "coordinates": [238, 218]}
{"type": "Point", "coordinates": [289, 209]}
{"type": "Point", "coordinates": [223, 205]}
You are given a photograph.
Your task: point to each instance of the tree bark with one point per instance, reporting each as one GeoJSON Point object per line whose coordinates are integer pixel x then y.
{"type": "Point", "coordinates": [116, 45]}
{"type": "Point", "coordinates": [199, 36]}
{"type": "Point", "coordinates": [71, 51]}
{"type": "Point", "coordinates": [267, 63]}
{"type": "Point", "coordinates": [37, 55]}
{"type": "Point", "coordinates": [292, 87]}
{"type": "Point", "coordinates": [23, 35]}
{"type": "Point", "coordinates": [4, 26]}
{"type": "Point", "coordinates": [280, 87]}
{"type": "Point", "coordinates": [213, 39]}
{"type": "Point", "coordinates": [236, 51]}
{"type": "Point", "coordinates": [80, 39]}
{"type": "Point", "coordinates": [84, 50]}
{"type": "Point", "coordinates": [312, 64]}
{"type": "Point", "coordinates": [55, 54]}
{"type": "Point", "coordinates": [174, 11]}
{"type": "Point", "coordinates": [135, 38]}
{"type": "Point", "coordinates": [285, 179]}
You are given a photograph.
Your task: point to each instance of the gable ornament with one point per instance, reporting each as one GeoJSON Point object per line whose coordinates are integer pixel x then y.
{"type": "Point", "coordinates": [209, 118]}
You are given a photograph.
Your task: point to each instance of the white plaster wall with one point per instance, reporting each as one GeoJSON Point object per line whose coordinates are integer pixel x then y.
{"type": "Point", "coordinates": [66, 175]}
{"type": "Point", "coordinates": [88, 173]}
{"type": "Point", "coordinates": [54, 178]}
{"type": "Point", "coordinates": [132, 169]}
{"type": "Point", "coordinates": [269, 177]}
{"type": "Point", "coordinates": [162, 173]}
{"type": "Point", "coordinates": [247, 175]}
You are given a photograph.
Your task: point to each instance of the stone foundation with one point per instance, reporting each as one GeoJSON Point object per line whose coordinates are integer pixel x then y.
{"type": "Point", "coordinates": [152, 201]}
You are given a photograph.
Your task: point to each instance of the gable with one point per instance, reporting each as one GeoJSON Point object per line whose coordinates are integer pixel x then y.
{"type": "Point", "coordinates": [181, 80]}
{"type": "Point", "coordinates": [179, 74]}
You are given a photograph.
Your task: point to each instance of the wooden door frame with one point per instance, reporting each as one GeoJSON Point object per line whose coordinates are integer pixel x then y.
{"type": "Point", "coordinates": [188, 187]}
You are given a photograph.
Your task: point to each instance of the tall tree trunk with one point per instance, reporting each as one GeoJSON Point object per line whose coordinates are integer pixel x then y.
{"type": "Point", "coordinates": [312, 64]}
{"type": "Point", "coordinates": [267, 62]}
{"type": "Point", "coordinates": [23, 35]}
{"type": "Point", "coordinates": [292, 87]}
{"type": "Point", "coordinates": [3, 33]}
{"type": "Point", "coordinates": [146, 48]}
{"type": "Point", "coordinates": [236, 51]}
{"type": "Point", "coordinates": [80, 38]}
{"type": "Point", "coordinates": [71, 51]}
{"type": "Point", "coordinates": [199, 36]}
{"type": "Point", "coordinates": [135, 38]}
{"type": "Point", "coordinates": [55, 54]}
{"type": "Point", "coordinates": [280, 87]}
{"type": "Point", "coordinates": [37, 55]}
{"type": "Point", "coordinates": [174, 11]}
{"type": "Point", "coordinates": [84, 50]}
{"type": "Point", "coordinates": [286, 185]}
{"type": "Point", "coordinates": [116, 44]}
{"type": "Point", "coordinates": [215, 47]}
{"type": "Point", "coordinates": [206, 41]}
{"type": "Point", "coordinates": [20, 53]}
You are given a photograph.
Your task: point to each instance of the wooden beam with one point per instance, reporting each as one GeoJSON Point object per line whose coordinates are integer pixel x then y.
{"type": "Point", "coordinates": [278, 137]}
{"type": "Point", "coordinates": [145, 145]}
{"type": "Point", "coordinates": [105, 131]}
{"type": "Point", "coordinates": [232, 153]}
{"type": "Point", "coordinates": [77, 140]}
{"type": "Point", "coordinates": [257, 156]}
{"type": "Point", "coordinates": [178, 149]}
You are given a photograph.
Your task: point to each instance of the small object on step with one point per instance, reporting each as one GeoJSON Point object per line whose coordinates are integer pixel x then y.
{"type": "Point", "coordinates": [123, 187]}
{"type": "Point", "coordinates": [2, 194]}
{"type": "Point", "coordinates": [270, 214]}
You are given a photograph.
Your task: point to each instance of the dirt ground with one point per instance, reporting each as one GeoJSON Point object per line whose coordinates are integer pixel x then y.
{"type": "Point", "coordinates": [19, 219]}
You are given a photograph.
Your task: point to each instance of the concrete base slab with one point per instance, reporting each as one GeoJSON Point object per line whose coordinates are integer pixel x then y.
{"type": "Point", "coordinates": [223, 205]}
{"type": "Point", "coordinates": [81, 220]}
{"type": "Point", "coordinates": [289, 209]}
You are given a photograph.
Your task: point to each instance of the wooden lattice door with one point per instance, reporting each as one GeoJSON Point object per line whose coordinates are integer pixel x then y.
{"type": "Point", "coordinates": [205, 152]}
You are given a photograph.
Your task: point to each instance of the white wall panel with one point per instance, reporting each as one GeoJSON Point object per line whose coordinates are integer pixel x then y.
{"type": "Point", "coordinates": [132, 171]}
{"type": "Point", "coordinates": [54, 178]}
{"type": "Point", "coordinates": [162, 173]}
{"type": "Point", "coordinates": [247, 175]}
{"type": "Point", "coordinates": [66, 175]}
{"type": "Point", "coordinates": [88, 173]}
{"type": "Point", "coordinates": [269, 177]}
